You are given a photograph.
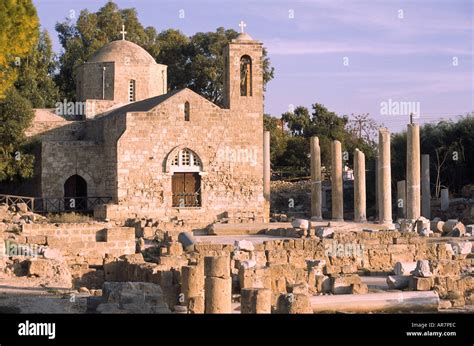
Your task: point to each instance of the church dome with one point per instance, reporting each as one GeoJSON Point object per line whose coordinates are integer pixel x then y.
{"type": "Point", "coordinates": [244, 37]}
{"type": "Point", "coordinates": [123, 51]}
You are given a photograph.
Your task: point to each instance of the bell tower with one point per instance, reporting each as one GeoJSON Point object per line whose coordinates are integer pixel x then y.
{"type": "Point", "coordinates": [243, 74]}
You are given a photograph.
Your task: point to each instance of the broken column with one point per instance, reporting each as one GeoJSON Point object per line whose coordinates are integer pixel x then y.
{"type": "Point", "coordinates": [218, 285]}
{"type": "Point", "coordinates": [413, 172]}
{"type": "Point", "coordinates": [266, 174]}
{"type": "Point", "coordinates": [359, 187]}
{"type": "Point", "coordinates": [336, 181]}
{"type": "Point", "coordinates": [385, 180]}
{"type": "Point", "coordinates": [425, 187]}
{"type": "Point", "coordinates": [401, 199]}
{"type": "Point", "coordinates": [192, 287]}
{"type": "Point", "coordinates": [255, 301]}
{"type": "Point", "coordinates": [316, 213]}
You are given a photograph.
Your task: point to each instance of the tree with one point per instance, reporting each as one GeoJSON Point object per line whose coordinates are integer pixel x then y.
{"type": "Point", "coordinates": [18, 34]}
{"type": "Point", "coordinates": [15, 117]}
{"type": "Point", "coordinates": [278, 139]}
{"type": "Point", "coordinates": [92, 31]}
{"type": "Point", "coordinates": [298, 121]}
{"type": "Point", "coordinates": [364, 127]}
{"type": "Point", "coordinates": [194, 62]}
{"type": "Point", "coordinates": [35, 79]}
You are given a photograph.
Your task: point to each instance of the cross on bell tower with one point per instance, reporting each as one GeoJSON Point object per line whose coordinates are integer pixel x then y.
{"type": "Point", "coordinates": [242, 26]}
{"type": "Point", "coordinates": [123, 32]}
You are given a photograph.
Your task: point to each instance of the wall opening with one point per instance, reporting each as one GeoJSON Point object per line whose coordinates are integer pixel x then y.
{"type": "Point", "coordinates": [131, 91]}
{"type": "Point", "coordinates": [245, 76]}
{"type": "Point", "coordinates": [186, 111]}
{"type": "Point", "coordinates": [186, 180]}
{"type": "Point", "coordinates": [75, 193]}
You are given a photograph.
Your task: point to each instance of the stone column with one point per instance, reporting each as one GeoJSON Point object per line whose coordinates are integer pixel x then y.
{"type": "Point", "coordinates": [425, 187]}
{"type": "Point", "coordinates": [413, 172]}
{"type": "Point", "coordinates": [377, 216]}
{"type": "Point", "coordinates": [192, 287]}
{"type": "Point", "coordinates": [316, 214]}
{"type": "Point", "coordinates": [255, 301]}
{"type": "Point", "coordinates": [359, 187]}
{"type": "Point", "coordinates": [385, 180]}
{"type": "Point", "coordinates": [401, 199]}
{"type": "Point", "coordinates": [218, 285]}
{"type": "Point", "coordinates": [444, 199]}
{"type": "Point", "coordinates": [336, 182]}
{"type": "Point", "coordinates": [266, 174]}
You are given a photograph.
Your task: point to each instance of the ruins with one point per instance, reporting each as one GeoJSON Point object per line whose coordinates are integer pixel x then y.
{"type": "Point", "coordinates": [221, 250]}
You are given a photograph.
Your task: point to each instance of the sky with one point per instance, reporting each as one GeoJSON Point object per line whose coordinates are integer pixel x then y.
{"type": "Point", "coordinates": [386, 58]}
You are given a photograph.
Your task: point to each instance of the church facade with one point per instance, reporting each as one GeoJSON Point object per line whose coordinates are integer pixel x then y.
{"type": "Point", "coordinates": [153, 153]}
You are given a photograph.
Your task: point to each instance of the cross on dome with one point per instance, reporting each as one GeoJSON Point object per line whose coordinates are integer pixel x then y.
{"type": "Point", "coordinates": [123, 32]}
{"type": "Point", "coordinates": [242, 26]}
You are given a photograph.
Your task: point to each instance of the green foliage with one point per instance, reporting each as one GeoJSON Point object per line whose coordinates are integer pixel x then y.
{"type": "Point", "coordinates": [35, 80]}
{"type": "Point", "coordinates": [278, 138]}
{"type": "Point", "coordinates": [18, 34]}
{"type": "Point", "coordinates": [450, 146]}
{"type": "Point", "coordinates": [195, 62]}
{"type": "Point", "coordinates": [15, 116]}
{"type": "Point", "coordinates": [327, 126]}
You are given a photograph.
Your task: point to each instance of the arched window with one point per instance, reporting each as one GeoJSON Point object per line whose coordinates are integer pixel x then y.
{"type": "Point", "coordinates": [186, 160]}
{"type": "Point", "coordinates": [131, 91]}
{"type": "Point", "coordinates": [186, 111]}
{"type": "Point", "coordinates": [186, 180]}
{"type": "Point", "coordinates": [245, 76]}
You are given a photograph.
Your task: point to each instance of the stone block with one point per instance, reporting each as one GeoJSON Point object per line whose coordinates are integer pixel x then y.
{"type": "Point", "coordinates": [342, 284]}
{"type": "Point", "coordinates": [421, 283]}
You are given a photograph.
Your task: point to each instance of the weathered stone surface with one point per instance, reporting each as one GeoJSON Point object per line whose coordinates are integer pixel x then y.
{"type": "Point", "coordinates": [244, 245]}
{"type": "Point", "coordinates": [256, 301]}
{"type": "Point", "coordinates": [342, 284]}
{"type": "Point", "coordinates": [217, 266]}
{"type": "Point", "coordinates": [404, 268]}
{"type": "Point", "coordinates": [422, 269]}
{"type": "Point", "coordinates": [324, 232]}
{"type": "Point", "coordinates": [421, 283]}
{"type": "Point", "coordinates": [300, 223]}
{"type": "Point", "coordinates": [218, 295]}
{"type": "Point", "coordinates": [132, 297]}
{"type": "Point", "coordinates": [359, 288]}
{"type": "Point", "coordinates": [398, 281]}
{"type": "Point", "coordinates": [293, 304]}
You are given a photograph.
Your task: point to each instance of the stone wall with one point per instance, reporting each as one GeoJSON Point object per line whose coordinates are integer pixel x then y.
{"type": "Point", "coordinates": [228, 185]}
{"type": "Point", "coordinates": [84, 247]}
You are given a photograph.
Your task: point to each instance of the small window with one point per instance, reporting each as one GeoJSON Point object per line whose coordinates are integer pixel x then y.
{"type": "Point", "coordinates": [186, 111]}
{"type": "Point", "coordinates": [245, 76]}
{"type": "Point", "coordinates": [131, 91]}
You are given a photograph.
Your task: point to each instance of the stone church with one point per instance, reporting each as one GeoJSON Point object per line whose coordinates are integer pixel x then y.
{"type": "Point", "coordinates": [138, 150]}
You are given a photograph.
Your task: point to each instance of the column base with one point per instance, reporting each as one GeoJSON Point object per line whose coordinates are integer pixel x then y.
{"type": "Point", "coordinates": [316, 218]}
{"type": "Point", "coordinates": [337, 219]}
{"type": "Point", "coordinates": [389, 224]}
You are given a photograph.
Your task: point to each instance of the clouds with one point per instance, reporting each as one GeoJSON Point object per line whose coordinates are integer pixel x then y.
{"type": "Point", "coordinates": [359, 46]}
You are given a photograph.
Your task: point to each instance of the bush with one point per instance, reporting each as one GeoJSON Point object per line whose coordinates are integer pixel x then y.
{"type": "Point", "coordinates": [69, 218]}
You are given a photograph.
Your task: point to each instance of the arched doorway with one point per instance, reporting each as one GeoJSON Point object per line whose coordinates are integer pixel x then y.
{"type": "Point", "coordinates": [75, 193]}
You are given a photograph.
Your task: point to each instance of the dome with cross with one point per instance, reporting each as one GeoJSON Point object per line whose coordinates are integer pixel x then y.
{"type": "Point", "coordinates": [123, 52]}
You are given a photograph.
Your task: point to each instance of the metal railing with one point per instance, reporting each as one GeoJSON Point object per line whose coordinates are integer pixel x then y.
{"type": "Point", "coordinates": [186, 200]}
{"type": "Point", "coordinates": [56, 204]}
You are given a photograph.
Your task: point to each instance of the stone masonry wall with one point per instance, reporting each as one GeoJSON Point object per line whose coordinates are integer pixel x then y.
{"type": "Point", "coordinates": [230, 183]}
